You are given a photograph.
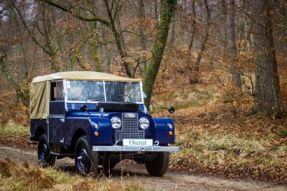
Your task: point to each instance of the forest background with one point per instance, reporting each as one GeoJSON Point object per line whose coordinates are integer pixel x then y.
{"type": "Point", "coordinates": [221, 63]}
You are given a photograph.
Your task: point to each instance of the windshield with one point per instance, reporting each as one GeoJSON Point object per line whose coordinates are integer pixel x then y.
{"type": "Point", "coordinates": [83, 90]}
{"type": "Point", "coordinates": [123, 91]}
{"type": "Point", "coordinates": [87, 90]}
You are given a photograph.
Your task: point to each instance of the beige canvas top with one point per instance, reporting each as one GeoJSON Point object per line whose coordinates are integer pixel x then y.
{"type": "Point", "coordinates": [83, 75]}
{"type": "Point", "coordinates": [40, 88]}
{"type": "Point", "coordinates": [40, 100]}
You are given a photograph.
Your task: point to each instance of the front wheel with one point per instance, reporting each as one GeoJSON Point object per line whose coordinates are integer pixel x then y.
{"type": "Point", "coordinates": [85, 160]}
{"type": "Point", "coordinates": [158, 165]}
{"type": "Point", "coordinates": [45, 158]}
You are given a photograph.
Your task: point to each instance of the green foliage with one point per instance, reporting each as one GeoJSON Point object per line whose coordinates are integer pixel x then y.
{"type": "Point", "coordinates": [282, 131]}
{"type": "Point", "coordinates": [11, 130]}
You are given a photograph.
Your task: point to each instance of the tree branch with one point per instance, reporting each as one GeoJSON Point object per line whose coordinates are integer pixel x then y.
{"type": "Point", "coordinates": [29, 32]}
{"type": "Point", "coordinates": [77, 15]}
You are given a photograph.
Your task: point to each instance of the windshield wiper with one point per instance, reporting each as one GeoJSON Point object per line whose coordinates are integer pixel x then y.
{"type": "Point", "coordinates": [94, 100]}
{"type": "Point", "coordinates": [129, 95]}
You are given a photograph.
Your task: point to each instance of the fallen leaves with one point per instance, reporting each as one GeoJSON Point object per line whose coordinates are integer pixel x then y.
{"type": "Point", "coordinates": [246, 146]}
{"type": "Point", "coordinates": [25, 177]}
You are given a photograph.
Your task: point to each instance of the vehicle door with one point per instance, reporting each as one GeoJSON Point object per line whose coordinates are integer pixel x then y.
{"type": "Point", "coordinates": [57, 113]}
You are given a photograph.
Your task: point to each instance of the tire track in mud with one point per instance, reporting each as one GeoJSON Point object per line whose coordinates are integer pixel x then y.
{"type": "Point", "coordinates": [172, 181]}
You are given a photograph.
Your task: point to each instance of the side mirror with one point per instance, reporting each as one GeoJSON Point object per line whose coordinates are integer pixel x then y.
{"type": "Point", "coordinates": [171, 109]}
{"type": "Point", "coordinates": [84, 108]}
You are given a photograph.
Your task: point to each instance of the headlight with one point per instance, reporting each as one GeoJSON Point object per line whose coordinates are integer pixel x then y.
{"type": "Point", "coordinates": [144, 123]}
{"type": "Point", "coordinates": [116, 122]}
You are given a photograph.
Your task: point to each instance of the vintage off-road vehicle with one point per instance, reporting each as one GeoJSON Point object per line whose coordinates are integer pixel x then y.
{"type": "Point", "coordinates": [98, 119]}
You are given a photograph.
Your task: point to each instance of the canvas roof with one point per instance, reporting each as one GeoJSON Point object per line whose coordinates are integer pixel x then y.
{"type": "Point", "coordinates": [83, 75]}
{"type": "Point", "coordinates": [40, 88]}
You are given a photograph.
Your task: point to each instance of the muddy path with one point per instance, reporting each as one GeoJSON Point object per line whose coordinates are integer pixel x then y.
{"type": "Point", "coordinates": [170, 182]}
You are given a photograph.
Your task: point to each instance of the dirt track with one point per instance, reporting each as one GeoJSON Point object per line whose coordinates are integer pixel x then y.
{"type": "Point", "coordinates": [171, 181]}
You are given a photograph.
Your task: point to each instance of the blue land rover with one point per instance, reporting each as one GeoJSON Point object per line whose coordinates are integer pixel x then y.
{"type": "Point", "coordinates": [98, 119]}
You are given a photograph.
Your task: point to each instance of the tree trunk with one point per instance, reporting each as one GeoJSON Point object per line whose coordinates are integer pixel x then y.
{"type": "Point", "coordinates": [231, 45]}
{"type": "Point", "coordinates": [172, 38]}
{"type": "Point", "coordinates": [142, 34]}
{"type": "Point", "coordinates": [118, 39]}
{"type": "Point", "coordinates": [142, 16]}
{"type": "Point", "coordinates": [267, 89]}
{"type": "Point", "coordinates": [166, 12]}
{"type": "Point", "coordinates": [194, 77]}
{"type": "Point", "coordinates": [156, 9]}
{"type": "Point", "coordinates": [285, 21]}
{"type": "Point", "coordinates": [193, 25]}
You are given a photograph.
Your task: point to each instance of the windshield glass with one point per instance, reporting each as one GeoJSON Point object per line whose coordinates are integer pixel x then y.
{"type": "Point", "coordinates": [123, 91]}
{"type": "Point", "coordinates": [84, 90]}
{"type": "Point", "coordinates": [88, 90]}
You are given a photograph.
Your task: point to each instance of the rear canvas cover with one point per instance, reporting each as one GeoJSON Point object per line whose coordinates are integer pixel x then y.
{"type": "Point", "coordinates": [39, 100]}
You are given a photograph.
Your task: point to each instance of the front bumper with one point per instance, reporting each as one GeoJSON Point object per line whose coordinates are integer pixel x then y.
{"type": "Point", "coordinates": [135, 149]}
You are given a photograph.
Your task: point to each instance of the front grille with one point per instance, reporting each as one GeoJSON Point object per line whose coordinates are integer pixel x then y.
{"type": "Point", "coordinates": [129, 129]}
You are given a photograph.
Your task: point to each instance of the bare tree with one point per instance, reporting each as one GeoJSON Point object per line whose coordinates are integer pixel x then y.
{"type": "Point", "coordinates": [193, 24]}
{"type": "Point", "coordinates": [141, 16]}
{"type": "Point", "coordinates": [231, 45]}
{"type": "Point", "coordinates": [43, 25]}
{"type": "Point", "coordinates": [267, 89]}
{"type": "Point", "coordinates": [14, 70]}
{"type": "Point", "coordinates": [112, 12]}
{"type": "Point", "coordinates": [194, 76]}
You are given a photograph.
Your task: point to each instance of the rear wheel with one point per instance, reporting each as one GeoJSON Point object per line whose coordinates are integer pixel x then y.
{"type": "Point", "coordinates": [45, 158]}
{"type": "Point", "coordinates": [158, 165]}
{"type": "Point", "coordinates": [86, 161]}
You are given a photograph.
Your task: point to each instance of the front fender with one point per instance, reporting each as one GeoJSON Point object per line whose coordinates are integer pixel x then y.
{"type": "Point", "coordinates": [163, 129]}
{"type": "Point", "coordinates": [104, 129]}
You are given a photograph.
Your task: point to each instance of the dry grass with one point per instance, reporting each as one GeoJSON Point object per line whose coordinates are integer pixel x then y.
{"type": "Point", "coordinates": [12, 130]}
{"type": "Point", "coordinates": [12, 134]}
{"type": "Point", "coordinates": [24, 177]}
{"type": "Point", "coordinates": [215, 141]}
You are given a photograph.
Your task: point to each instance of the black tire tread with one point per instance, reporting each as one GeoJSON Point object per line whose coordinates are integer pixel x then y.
{"type": "Point", "coordinates": [51, 159]}
{"type": "Point", "coordinates": [83, 140]}
{"type": "Point", "coordinates": [158, 166]}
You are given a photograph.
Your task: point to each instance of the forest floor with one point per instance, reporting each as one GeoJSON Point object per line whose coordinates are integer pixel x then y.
{"type": "Point", "coordinates": [223, 144]}
{"type": "Point", "coordinates": [22, 173]}
{"type": "Point", "coordinates": [220, 150]}
{"type": "Point", "coordinates": [216, 141]}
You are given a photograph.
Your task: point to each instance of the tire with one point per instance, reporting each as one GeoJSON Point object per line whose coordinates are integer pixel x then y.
{"type": "Point", "coordinates": [86, 161]}
{"type": "Point", "coordinates": [159, 165]}
{"type": "Point", "coordinates": [45, 158]}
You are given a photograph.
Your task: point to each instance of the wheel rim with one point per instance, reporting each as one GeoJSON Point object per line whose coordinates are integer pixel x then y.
{"type": "Point", "coordinates": [82, 161]}
{"type": "Point", "coordinates": [43, 151]}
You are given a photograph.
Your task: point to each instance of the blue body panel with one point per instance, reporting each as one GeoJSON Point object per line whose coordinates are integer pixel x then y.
{"type": "Point", "coordinates": [62, 125]}
{"type": "Point", "coordinates": [162, 130]}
